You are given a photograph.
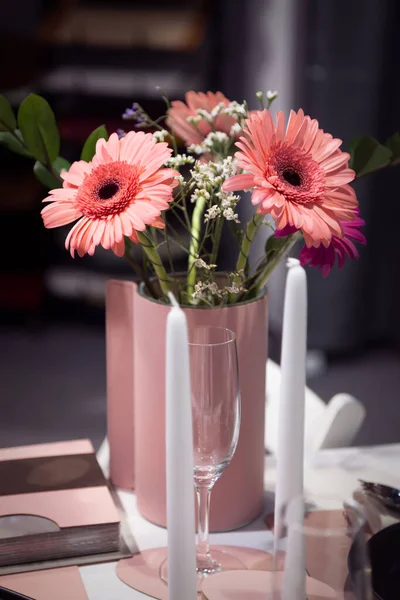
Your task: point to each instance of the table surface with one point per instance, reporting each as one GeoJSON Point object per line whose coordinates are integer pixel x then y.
{"type": "Point", "coordinates": [330, 477]}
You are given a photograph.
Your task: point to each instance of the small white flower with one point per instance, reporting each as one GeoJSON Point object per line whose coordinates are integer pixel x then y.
{"type": "Point", "coordinates": [230, 215]}
{"type": "Point", "coordinates": [199, 193]}
{"type": "Point", "coordinates": [179, 160]}
{"type": "Point", "coordinates": [235, 129]}
{"type": "Point", "coordinates": [201, 264]}
{"type": "Point", "coordinates": [160, 136]}
{"type": "Point", "coordinates": [199, 290]}
{"type": "Point", "coordinates": [271, 95]}
{"type": "Point", "coordinates": [193, 119]}
{"type": "Point", "coordinates": [180, 179]}
{"type": "Point", "coordinates": [213, 287]}
{"type": "Point", "coordinates": [228, 200]}
{"type": "Point", "coordinates": [212, 213]}
{"type": "Point", "coordinates": [234, 109]}
{"type": "Point", "coordinates": [197, 149]}
{"type": "Point", "coordinates": [206, 290]}
{"type": "Point", "coordinates": [207, 178]}
{"type": "Point", "coordinates": [217, 109]}
{"type": "Point", "coordinates": [234, 288]}
{"type": "Point", "coordinates": [204, 114]}
{"type": "Point", "coordinates": [215, 138]}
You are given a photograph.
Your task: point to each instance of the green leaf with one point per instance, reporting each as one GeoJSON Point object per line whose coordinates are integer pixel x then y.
{"type": "Point", "coordinates": [61, 164]}
{"type": "Point", "coordinates": [7, 119]}
{"type": "Point", "coordinates": [274, 244]}
{"type": "Point", "coordinates": [368, 155]}
{"type": "Point", "coordinates": [46, 177]}
{"type": "Point", "coordinates": [89, 149]}
{"type": "Point", "coordinates": [39, 129]}
{"type": "Point", "coordinates": [393, 143]}
{"type": "Point", "coordinates": [12, 142]}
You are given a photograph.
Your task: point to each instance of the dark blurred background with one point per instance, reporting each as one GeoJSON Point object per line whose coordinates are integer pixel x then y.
{"type": "Point", "coordinates": [336, 59]}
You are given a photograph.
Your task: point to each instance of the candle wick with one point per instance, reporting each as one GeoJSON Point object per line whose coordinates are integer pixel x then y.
{"type": "Point", "coordinates": [292, 262]}
{"type": "Point", "coordinates": [173, 300]}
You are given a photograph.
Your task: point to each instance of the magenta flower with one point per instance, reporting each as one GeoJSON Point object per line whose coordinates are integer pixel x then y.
{"type": "Point", "coordinates": [340, 247]}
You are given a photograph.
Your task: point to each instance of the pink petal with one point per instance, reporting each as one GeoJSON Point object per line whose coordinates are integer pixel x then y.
{"type": "Point", "coordinates": [280, 126]}
{"type": "Point", "coordinates": [113, 146]}
{"type": "Point", "coordinates": [146, 211]}
{"type": "Point", "coordinates": [311, 135]}
{"type": "Point", "coordinates": [335, 162]}
{"type": "Point", "coordinates": [119, 248]}
{"type": "Point", "coordinates": [118, 229]}
{"type": "Point", "coordinates": [294, 123]}
{"type": "Point", "coordinates": [126, 224]}
{"type": "Point", "coordinates": [136, 147]}
{"type": "Point", "coordinates": [58, 214]}
{"type": "Point", "coordinates": [238, 182]}
{"type": "Point", "coordinates": [161, 176]}
{"type": "Point", "coordinates": [159, 155]}
{"type": "Point", "coordinates": [70, 241]}
{"type": "Point", "coordinates": [340, 178]}
{"type": "Point", "coordinates": [326, 150]}
{"type": "Point", "coordinates": [98, 233]}
{"type": "Point", "coordinates": [136, 221]}
{"type": "Point", "coordinates": [61, 194]}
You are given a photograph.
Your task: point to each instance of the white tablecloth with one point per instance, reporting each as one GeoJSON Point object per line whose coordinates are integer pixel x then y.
{"type": "Point", "coordinates": [330, 477]}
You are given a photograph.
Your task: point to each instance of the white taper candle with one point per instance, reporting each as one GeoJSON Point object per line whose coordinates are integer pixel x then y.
{"type": "Point", "coordinates": [179, 461]}
{"type": "Point", "coordinates": [290, 451]}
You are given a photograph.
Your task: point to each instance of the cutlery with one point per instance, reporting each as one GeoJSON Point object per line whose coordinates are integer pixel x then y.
{"type": "Point", "coordinates": [389, 496]}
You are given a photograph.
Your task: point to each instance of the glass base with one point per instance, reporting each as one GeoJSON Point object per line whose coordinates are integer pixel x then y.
{"type": "Point", "coordinates": [221, 561]}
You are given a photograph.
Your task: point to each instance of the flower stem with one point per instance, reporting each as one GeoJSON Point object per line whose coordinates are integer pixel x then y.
{"type": "Point", "coordinates": [142, 275]}
{"type": "Point", "coordinates": [154, 257]}
{"type": "Point", "coordinates": [217, 239]}
{"type": "Point", "coordinates": [287, 244]}
{"type": "Point", "coordinates": [252, 227]}
{"type": "Point", "coordinates": [194, 244]}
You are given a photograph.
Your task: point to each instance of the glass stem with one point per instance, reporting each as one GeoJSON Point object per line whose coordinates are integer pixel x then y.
{"type": "Point", "coordinates": [203, 493]}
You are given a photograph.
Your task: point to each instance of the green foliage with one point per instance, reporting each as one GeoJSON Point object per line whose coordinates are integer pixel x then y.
{"type": "Point", "coordinates": [50, 177]}
{"type": "Point", "coordinates": [45, 176]}
{"type": "Point", "coordinates": [39, 129]}
{"type": "Point", "coordinates": [368, 155]}
{"type": "Point", "coordinates": [14, 142]}
{"type": "Point", "coordinates": [61, 164]}
{"type": "Point", "coordinates": [393, 143]}
{"type": "Point", "coordinates": [89, 149]}
{"type": "Point", "coordinates": [7, 119]}
{"type": "Point", "coordinates": [275, 244]}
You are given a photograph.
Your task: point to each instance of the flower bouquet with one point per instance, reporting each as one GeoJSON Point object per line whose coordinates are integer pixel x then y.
{"type": "Point", "coordinates": [136, 190]}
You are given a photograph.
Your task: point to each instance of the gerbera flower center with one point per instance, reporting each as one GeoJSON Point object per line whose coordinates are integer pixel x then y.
{"type": "Point", "coordinates": [292, 177]}
{"type": "Point", "coordinates": [108, 190]}
{"type": "Point", "coordinates": [294, 173]}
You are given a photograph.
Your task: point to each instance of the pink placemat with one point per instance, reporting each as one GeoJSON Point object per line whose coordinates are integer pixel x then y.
{"type": "Point", "coordinates": [59, 584]}
{"type": "Point", "coordinates": [142, 571]}
{"type": "Point", "coordinates": [243, 585]}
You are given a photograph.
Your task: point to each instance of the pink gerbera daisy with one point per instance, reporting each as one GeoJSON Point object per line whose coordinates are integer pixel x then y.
{"type": "Point", "coordinates": [299, 176]}
{"type": "Point", "coordinates": [120, 192]}
{"type": "Point", "coordinates": [339, 248]}
{"type": "Point", "coordinates": [179, 112]}
{"type": "Point", "coordinates": [324, 258]}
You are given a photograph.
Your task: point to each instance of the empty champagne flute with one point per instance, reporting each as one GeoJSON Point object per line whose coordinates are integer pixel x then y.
{"type": "Point", "coordinates": [216, 423]}
{"type": "Point", "coordinates": [215, 397]}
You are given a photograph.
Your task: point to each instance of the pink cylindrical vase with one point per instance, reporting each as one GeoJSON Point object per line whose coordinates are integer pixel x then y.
{"type": "Point", "coordinates": [120, 298]}
{"type": "Point", "coordinates": [237, 497]}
